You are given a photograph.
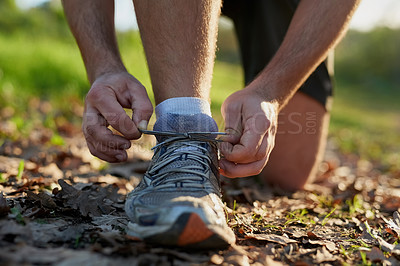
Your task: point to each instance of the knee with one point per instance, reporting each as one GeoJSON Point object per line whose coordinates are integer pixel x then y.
{"type": "Point", "coordinates": [289, 179]}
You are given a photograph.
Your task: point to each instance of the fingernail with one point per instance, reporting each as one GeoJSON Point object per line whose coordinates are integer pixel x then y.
{"type": "Point", "coordinates": [119, 157]}
{"type": "Point", "coordinates": [142, 125]}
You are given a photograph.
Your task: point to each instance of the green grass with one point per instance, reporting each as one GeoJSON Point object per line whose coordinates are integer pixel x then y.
{"type": "Point", "coordinates": [366, 121]}
{"type": "Point", "coordinates": [50, 68]}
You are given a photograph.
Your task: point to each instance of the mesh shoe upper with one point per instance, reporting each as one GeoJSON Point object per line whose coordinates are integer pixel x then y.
{"type": "Point", "coordinates": [182, 173]}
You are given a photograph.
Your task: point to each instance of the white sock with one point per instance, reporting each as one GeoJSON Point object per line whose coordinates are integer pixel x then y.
{"type": "Point", "coordinates": [183, 106]}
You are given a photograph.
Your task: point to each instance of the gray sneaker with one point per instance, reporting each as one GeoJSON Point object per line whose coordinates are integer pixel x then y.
{"type": "Point", "coordinates": [178, 202]}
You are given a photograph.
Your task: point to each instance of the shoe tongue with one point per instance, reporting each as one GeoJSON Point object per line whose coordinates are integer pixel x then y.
{"type": "Point", "coordinates": [185, 123]}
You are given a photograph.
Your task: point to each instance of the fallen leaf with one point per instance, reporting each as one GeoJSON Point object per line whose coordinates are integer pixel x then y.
{"type": "Point", "coordinates": [323, 255]}
{"type": "Point", "coordinates": [110, 220]}
{"type": "Point", "coordinates": [189, 257]}
{"type": "Point", "coordinates": [28, 255]}
{"type": "Point", "coordinates": [385, 246]}
{"type": "Point", "coordinates": [312, 236]}
{"type": "Point", "coordinates": [12, 230]}
{"type": "Point", "coordinates": [271, 262]}
{"type": "Point", "coordinates": [94, 201]}
{"type": "Point", "coordinates": [331, 246]}
{"type": "Point", "coordinates": [395, 223]}
{"type": "Point", "coordinates": [376, 255]}
{"type": "Point", "coordinates": [44, 199]}
{"type": "Point", "coordinates": [237, 260]}
{"type": "Point", "coordinates": [283, 240]}
{"type": "Point", "coordinates": [216, 259]}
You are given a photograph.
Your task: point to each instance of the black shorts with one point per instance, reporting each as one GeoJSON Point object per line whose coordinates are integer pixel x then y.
{"type": "Point", "coordinates": [260, 27]}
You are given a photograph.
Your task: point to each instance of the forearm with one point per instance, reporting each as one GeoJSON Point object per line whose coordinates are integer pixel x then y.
{"type": "Point", "coordinates": [316, 27]}
{"type": "Point", "coordinates": [92, 24]}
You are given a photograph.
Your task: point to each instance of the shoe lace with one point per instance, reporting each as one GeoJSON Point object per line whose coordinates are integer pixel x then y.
{"type": "Point", "coordinates": [179, 146]}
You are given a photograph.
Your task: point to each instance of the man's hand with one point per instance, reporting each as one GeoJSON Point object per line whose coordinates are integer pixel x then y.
{"type": "Point", "coordinates": [104, 104]}
{"type": "Point", "coordinates": [251, 122]}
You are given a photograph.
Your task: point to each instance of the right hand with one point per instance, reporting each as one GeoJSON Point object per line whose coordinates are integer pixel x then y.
{"type": "Point", "coordinates": [104, 103]}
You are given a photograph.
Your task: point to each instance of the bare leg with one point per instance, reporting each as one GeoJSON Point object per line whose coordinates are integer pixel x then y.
{"type": "Point", "coordinates": [179, 39]}
{"type": "Point", "coordinates": [300, 143]}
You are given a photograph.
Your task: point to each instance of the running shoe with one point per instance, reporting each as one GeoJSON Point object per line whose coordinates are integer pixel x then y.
{"type": "Point", "coordinates": [178, 201]}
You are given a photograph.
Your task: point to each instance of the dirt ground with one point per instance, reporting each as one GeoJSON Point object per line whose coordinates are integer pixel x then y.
{"type": "Point", "coordinates": [61, 206]}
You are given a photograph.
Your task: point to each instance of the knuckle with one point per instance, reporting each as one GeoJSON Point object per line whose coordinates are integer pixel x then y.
{"type": "Point", "coordinates": [145, 107]}
{"type": "Point", "coordinates": [94, 95]}
{"type": "Point", "coordinates": [120, 122]}
{"type": "Point", "coordinates": [113, 119]}
{"type": "Point", "coordinates": [89, 132]}
{"type": "Point", "coordinates": [231, 108]}
{"type": "Point", "coordinates": [261, 123]}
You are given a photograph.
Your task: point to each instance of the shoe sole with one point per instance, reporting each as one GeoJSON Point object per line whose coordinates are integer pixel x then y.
{"type": "Point", "coordinates": [188, 231]}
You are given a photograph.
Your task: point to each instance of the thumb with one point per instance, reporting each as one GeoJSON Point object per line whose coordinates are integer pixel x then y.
{"type": "Point", "coordinates": [142, 110]}
{"type": "Point", "coordinates": [141, 114]}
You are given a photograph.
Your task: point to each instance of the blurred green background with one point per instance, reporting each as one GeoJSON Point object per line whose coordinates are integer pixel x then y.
{"type": "Point", "coordinates": [39, 61]}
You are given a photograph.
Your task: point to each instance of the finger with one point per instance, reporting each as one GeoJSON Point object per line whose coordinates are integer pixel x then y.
{"type": "Point", "coordinates": [232, 170]}
{"type": "Point", "coordinates": [105, 101]}
{"type": "Point", "coordinates": [232, 137]}
{"type": "Point", "coordinates": [107, 154]}
{"type": "Point", "coordinates": [104, 136]}
{"type": "Point", "coordinates": [95, 129]}
{"type": "Point", "coordinates": [250, 142]}
{"type": "Point", "coordinates": [232, 114]}
{"type": "Point", "coordinates": [257, 154]}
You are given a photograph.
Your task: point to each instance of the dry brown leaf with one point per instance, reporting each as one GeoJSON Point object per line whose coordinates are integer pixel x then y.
{"type": "Point", "coordinates": [110, 220]}
{"type": "Point", "coordinates": [385, 246]}
{"type": "Point", "coordinates": [295, 232]}
{"type": "Point", "coordinates": [323, 255]}
{"type": "Point", "coordinates": [271, 262]}
{"type": "Point", "coordinates": [11, 228]}
{"type": "Point", "coordinates": [312, 236]}
{"type": "Point", "coordinates": [283, 240]}
{"type": "Point", "coordinates": [376, 255]}
{"type": "Point", "coordinates": [216, 259]}
{"type": "Point", "coordinates": [28, 255]}
{"type": "Point", "coordinates": [241, 260]}
{"type": "Point", "coordinates": [331, 246]}
{"type": "Point", "coordinates": [94, 201]}
{"type": "Point", "coordinates": [45, 199]}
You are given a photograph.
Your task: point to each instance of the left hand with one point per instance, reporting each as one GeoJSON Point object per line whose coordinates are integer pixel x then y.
{"type": "Point", "coordinates": [251, 122]}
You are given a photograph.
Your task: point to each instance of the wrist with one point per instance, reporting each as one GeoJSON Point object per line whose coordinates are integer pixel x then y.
{"type": "Point", "coordinates": [105, 69]}
{"type": "Point", "coordinates": [266, 92]}
{"type": "Point", "coordinates": [274, 87]}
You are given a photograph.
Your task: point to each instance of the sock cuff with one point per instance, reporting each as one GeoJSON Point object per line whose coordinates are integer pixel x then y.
{"type": "Point", "coordinates": [183, 106]}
